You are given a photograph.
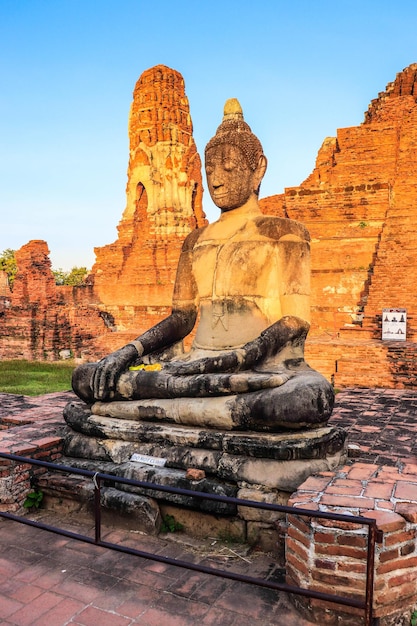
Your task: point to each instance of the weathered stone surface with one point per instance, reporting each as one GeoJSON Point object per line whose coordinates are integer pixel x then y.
{"type": "Point", "coordinates": [165, 476]}
{"type": "Point", "coordinates": [260, 494]}
{"type": "Point", "coordinates": [274, 461]}
{"type": "Point", "coordinates": [176, 440]}
{"type": "Point", "coordinates": [282, 475]}
{"type": "Point", "coordinates": [300, 403]}
{"type": "Point", "coordinates": [140, 511]}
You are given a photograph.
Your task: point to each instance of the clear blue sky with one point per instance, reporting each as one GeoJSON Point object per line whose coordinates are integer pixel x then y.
{"type": "Point", "coordinates": [300, 69]}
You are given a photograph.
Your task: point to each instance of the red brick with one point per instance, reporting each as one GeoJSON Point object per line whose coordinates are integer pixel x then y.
{"type": "Point", "coordinates": [46, 442]}
{"type": "Point", "coordinates": [294, 533]}
{"type": "Point", "coordinates": [26, 615]}
{"type": "Point", "coordinates": [296, 564]}
{"type": "Point", "coordinates": [387, 473]}
{"type": "Point", "coordinates": [357, 541]}
{"type": "Point", "coordinates": [8, 606]}
{"type": "Point", "coordinates": [362, 471]}
{"type": "Point", "coordinates": [92, 616]}
{"type": "Point", "coordinates": [378, 490]}
{"type": "Point", "coordinates": [315, 484]}
{"type": "Point", "coordinates": [348, 502]}
{"type": "Point", "coordinates": [341, 551]}
{"type": "Point", "coordinates": [408, 548]}
{"type": "Point", "coordinates": [325, 564]}
{"type": "Point", "coordinates": [386, 521]}
{"type": "Point", "coordinates": [398, 564]}
{"type": "Point", "coordinates": [323, 537]}
{"type": "Point", "coordinates": [303, 501]}
{"type": "Point", "coordinates": [344, 486]}
{"type": "Point", "coordinates": [396, 596]}
{"type": "Point", "coordinates": [297, 548]}
{"type": "Point", "coordinates": [407, 510]}
{"type": "Point", "coordinates": [61, 613]}
{"type": "Point", "coordinates": [299, 523]}
{"type": "Point", "coordinates": [336, 581]}
{"type": "Point", "coordinates": [403, 578]}
{"type": "Point", "coordinates": [325, 610]}
{"type": "Point", "coordinates": [350, 566]}
{"type": "Point", "coordinates": [22, 449]}
{"type": "Point", "coordinates": [341, 525]}
{"type": "Point", "coordinates": [26, 593]}
{"type": "Point", "coordinates": [410, 468]}
{"type": "Point", "coordinates": [388, 506]}
{"type": "Point", "coordinates": [388, 555]}
{"type": "Point", "coordinates": [391, 539]}
{"type": "Point", "coordinates": [406, 491]}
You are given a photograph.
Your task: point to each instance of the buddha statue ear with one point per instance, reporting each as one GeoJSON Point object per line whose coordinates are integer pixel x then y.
{"type": "Point", "coordinates": [259, 173]}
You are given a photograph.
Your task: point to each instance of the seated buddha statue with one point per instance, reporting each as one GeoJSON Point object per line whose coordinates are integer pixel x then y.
{"type": "Point", "coordinates": [245, 278]}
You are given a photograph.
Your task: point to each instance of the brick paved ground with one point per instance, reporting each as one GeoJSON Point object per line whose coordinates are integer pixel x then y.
{"type": "Point", "coordinates": [381, 424]}
{"type": "Point", "coordinates": [47, 580]}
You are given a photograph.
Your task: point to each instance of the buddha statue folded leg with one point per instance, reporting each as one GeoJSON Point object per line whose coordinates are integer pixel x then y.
{"type": "Point", "coordinates": [291, 399]}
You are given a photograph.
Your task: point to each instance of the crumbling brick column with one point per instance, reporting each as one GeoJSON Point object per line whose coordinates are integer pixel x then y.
{"type": "Point", "coordinates": [330, 556]}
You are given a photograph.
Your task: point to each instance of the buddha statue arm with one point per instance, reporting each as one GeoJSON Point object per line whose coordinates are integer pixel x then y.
{"type": "Point", "coordinates": [288, 329]}
{"type": "Point", "coordinates": [170, 330]}
{"type": "Point", "coordinates": [167, 332]}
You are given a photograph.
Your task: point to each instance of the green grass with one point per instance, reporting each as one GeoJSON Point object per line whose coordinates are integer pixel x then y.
{"type": "Point", "coordinates": [34, 378]}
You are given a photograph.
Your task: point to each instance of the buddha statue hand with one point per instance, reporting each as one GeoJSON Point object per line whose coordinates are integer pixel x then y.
{"type": "Point", "coordinates": [227, 361]}
{"type": "Point", "coordinates": [288, 329]}
{"type": "Point", "coordinates": [109, 369]}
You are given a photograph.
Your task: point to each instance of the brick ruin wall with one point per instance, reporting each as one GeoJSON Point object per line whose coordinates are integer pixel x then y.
{"type": "Point", "coordinates": [358, 204]}
{"type": "Point", "coordinates": [130, 286]}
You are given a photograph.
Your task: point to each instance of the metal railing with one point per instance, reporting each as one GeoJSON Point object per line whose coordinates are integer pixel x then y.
{"type": "Point", "coordinates": [374, 535]}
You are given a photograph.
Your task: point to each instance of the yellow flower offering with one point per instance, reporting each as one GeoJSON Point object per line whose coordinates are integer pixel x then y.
{"type": "Point", "coordinates": [155, 367]}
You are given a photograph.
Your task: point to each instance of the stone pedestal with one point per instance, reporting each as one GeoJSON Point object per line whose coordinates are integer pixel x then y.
{"type": "Point", "coordinates": [264, 467]}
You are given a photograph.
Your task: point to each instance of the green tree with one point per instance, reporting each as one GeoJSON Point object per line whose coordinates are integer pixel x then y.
{"type": "Point", "coordinates": [8, 264]}
{"type": "Point", "coordinates": [74, 278]}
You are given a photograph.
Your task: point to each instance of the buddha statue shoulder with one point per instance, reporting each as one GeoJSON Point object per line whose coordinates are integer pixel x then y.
{"type": "Point", "coordinates": [246, 278]}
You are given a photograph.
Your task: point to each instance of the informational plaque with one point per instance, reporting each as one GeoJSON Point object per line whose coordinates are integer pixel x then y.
{"type": "Point", "coordinates": [394, 324]}
{"type": "Point", "coordinates": [149, 460]}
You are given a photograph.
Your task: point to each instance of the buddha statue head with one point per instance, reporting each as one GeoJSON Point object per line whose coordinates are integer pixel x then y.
{"type": "Point", "coordinates": [235, 163]}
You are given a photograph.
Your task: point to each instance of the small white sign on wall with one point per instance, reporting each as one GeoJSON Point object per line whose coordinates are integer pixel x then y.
{"type": "Point", "coordinates": [149, 460]}
{"type": "Point", "coordinates": [394, 324]}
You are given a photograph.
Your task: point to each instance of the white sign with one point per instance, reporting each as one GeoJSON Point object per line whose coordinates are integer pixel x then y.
{"type": "Point", "coordinates": [394, 324]}
{"type": "Point", "coordinates": [149, 460]}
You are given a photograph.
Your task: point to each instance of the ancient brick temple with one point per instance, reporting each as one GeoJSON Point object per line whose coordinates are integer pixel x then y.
{"type": "Point", "coordinates": [130, 287]}
{"type": "Point", "coordinates": [359, 204]}
{"type": "Point", "coordinates": [38, 319]}
{"type": "Point", "coordinates": [134, 276]}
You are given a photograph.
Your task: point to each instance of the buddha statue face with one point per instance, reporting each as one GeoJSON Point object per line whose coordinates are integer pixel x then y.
{"type": "Point", "coordinates": [235, 163]}
{"type": "Point", "coordinates": [230, 179]}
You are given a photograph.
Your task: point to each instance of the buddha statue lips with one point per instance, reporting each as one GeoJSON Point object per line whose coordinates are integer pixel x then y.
{"type": "Point", "coordinates": [246, 279]}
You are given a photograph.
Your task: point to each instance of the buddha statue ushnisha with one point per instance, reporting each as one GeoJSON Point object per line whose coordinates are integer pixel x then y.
{"type": "Point", "coordinates": [246, 278]}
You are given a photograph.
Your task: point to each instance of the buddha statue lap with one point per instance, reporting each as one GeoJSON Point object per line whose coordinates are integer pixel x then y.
{"type": "Point", "coordinates": [246, 279]}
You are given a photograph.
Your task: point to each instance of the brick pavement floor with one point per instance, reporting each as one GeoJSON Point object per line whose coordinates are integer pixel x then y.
{"type": "Point", "coordinates": [49, 580]}
{"type": "Point", "coordinates": [381, 424]}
